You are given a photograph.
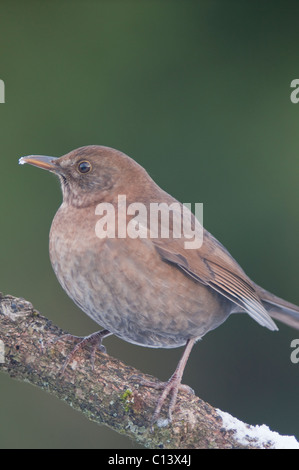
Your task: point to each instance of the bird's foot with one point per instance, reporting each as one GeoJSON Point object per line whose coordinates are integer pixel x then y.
{"type": "Point", "coordinates": [171, 387]}
{"type": "Point", "coordinates": [95, 340]}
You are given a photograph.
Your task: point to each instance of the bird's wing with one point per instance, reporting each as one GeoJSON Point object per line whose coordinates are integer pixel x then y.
{"type": "Point", "coordinates": [212, 265]}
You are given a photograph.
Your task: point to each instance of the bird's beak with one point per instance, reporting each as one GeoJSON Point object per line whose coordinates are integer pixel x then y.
{"type": "Point", "coordinates": [47, 163]}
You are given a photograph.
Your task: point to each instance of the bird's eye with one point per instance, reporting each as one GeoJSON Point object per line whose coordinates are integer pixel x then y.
{"type": "Point", "coordinates": [84, 166]}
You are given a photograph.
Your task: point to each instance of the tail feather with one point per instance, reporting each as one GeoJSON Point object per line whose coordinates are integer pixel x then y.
{"type": "Point", "coordinates": [278, 308]}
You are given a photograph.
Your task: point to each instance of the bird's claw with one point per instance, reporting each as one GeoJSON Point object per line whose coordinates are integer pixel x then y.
{"type": "Point", "coordinates": [95, 339]}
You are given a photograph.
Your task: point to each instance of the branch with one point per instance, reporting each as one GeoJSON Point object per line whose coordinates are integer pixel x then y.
{"type": "Point", "coordinates": [109, 394]}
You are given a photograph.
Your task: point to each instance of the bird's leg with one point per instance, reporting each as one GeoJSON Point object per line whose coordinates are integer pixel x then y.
{"type": "Point", "coordinates": [95, 339]}
{"type": "Point", "coordinates": [172, 385]}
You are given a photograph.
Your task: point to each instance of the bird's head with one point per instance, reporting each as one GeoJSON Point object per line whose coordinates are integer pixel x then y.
{"type": "Point", "coordinates": [91, 174]}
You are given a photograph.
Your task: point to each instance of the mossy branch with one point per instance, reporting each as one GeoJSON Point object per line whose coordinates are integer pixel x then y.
{"type": "Point", "coordinates": [108, 394]}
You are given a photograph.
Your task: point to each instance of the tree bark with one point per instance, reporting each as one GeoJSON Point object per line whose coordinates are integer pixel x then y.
{"type": "Point", "coordinates": [110, 393]}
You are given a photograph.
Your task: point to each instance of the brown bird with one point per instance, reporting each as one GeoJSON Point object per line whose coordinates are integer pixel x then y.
{"type": "Point", "coordinates": [148, 290]}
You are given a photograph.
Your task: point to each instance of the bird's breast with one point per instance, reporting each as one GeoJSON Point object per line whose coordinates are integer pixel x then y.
{"type": "Point", "coordinates": [123, 285]}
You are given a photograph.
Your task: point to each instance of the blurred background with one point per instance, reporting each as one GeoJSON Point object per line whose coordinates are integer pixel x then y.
{"type": "Point", "coordinates": [198, 92]}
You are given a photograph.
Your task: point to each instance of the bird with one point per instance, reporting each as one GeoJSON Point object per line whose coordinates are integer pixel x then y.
{"type": "Point", "coordinates": [147, 289]}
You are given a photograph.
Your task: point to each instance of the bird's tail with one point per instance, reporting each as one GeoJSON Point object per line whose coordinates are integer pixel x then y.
{"type": "Point", "coordinates": [278, 308]}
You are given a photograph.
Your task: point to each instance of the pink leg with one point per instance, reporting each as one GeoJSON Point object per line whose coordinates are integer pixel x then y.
{"type": "Point", "coordinates": [95, 339]}
{"type": "Point", "coordinates": [173, 385]}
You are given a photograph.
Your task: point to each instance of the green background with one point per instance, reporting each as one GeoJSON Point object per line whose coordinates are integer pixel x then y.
{"type": "Point", "coordinates": [198, 92]}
